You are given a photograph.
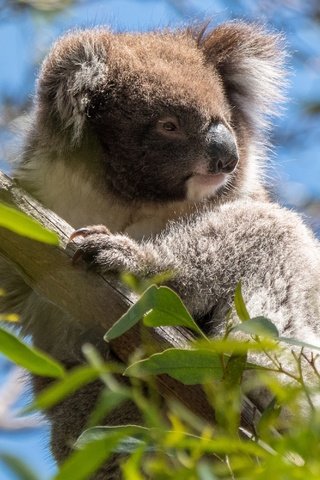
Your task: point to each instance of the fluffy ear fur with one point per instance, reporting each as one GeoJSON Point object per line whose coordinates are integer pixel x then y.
{"type": "Point", "coordinates": [250, 62]}
{"type": "Point", "coordinates": [74, 73]}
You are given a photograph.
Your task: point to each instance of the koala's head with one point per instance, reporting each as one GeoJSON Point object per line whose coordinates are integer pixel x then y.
{"type": "Point", "coordinates": [169, 115]}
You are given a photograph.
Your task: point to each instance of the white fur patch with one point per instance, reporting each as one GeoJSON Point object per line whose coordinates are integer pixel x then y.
{"type": "Point", "coordinates": [254, 169]}
{"type": "Point", "coordinates": [203, 186]}
{"type": "Point", "coordinates": [259, 85]}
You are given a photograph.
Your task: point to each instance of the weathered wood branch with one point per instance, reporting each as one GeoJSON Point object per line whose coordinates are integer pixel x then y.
{"type": "Point", "coordinates": [93, 300]}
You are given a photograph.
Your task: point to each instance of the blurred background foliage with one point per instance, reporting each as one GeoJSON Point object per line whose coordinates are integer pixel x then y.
{"type": "Point", "coordinates": [28, 27]}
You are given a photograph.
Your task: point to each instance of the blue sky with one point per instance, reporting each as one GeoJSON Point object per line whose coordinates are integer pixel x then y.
{"type": "Point", "coordinates": [296, 169]}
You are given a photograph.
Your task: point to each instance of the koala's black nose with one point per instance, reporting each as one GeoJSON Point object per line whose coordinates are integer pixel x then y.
{"type": "Point", "coordinates": [222, 149]}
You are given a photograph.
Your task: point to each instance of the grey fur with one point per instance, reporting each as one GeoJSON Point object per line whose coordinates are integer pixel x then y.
{"type": "Point", "coordinates": [94, 155]}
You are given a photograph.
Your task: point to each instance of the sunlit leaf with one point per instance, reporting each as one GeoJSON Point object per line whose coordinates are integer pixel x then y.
{"type": "Point", "coordinates": [188, 366]}
{"type": "Point", "coordinates": [29, 357]}
{"type": "Point", "coordinates": [20, 223]}
{"type": "Point", "coordinates": [298, 343]}
{"type": "Point", "coordinates": [132, 316]}
{"type": "Point", "coordinates": [158, 306]}
{"type": "Point", "coordinates": [240, 305]}
{"type": "Point", "coordinates": [224, 445]}
{"type": "Point", "coordinates": [133, 282]}
{"type": "Point", "coordinates": [231, 345]}
{"type": "Point", "coordinates": [131, 468]}
{"type": "Point", "coordinates": [102, 432]}
{"type": "Point", "coordinates": [139, 285]}
{"type": "Point", "coordinates": [9, 317]}
{"type": "Point", "coordinates": [82, 463]}
{"type": "Point", "coordinates": [169, 310]}
{"type": "Point", "coordinates": [258, 326]}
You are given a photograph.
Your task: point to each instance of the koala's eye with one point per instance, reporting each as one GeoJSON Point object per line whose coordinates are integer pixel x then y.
{"type": "Point", "coordinates": [169, 126]}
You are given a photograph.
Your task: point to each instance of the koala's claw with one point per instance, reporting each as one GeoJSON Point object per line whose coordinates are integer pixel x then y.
{"type": "Point", "coordinates": [86, 231]}
{"type": "Point", "coordinates": [81, 232]}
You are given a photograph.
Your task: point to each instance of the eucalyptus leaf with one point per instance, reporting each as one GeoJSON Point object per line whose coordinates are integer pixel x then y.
{"type": "Point", "coordinates": [169, 310]}
{"type": "Point", "coordinates": [258, 326]}
{"type": "Point", "coordinates": [29, 357]}
{"type": "Point", "coordinates": [132, 316]}
{"type": "Point", "coordinates": [96, 433]}
{"type": "Point", "coordinates": [9, 317]}
{"type": "Point", "coordinates": [235, 367]}
{"type": "Point", "coordinates": [20, 223]}
{"type": "Point", "coordinates": [234, 346]}
{"type": "Point", "coordinates": [81, 464]}
{"type": "Point", "coordinates": [130, 444]}
{"type": "Point", "coordinates": [240, 305]}
{"type": "Point", "coordinates": [157, 306]}
{"type": "Point", "coordinates": [268, 416]}
{"type": "Point", "coordinates": [190, 367]}
{"type": "Point", "coordinates": [298, 343]}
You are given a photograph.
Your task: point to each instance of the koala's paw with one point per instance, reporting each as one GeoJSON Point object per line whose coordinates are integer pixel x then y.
{"type": "Point", "coordinates": [103, 252]}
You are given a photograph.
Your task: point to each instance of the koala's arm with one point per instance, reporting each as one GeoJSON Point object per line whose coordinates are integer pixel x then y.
{"type": "Point", "coordinates": [267, 247]}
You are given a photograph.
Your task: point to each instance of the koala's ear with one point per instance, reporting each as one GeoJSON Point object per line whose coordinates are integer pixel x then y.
{"type": "Point", "coordinates": [250, 62]}
{"type": "Point", "coordinates": [73, 76]}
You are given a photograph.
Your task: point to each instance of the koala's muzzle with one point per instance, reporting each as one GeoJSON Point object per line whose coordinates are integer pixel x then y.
{"type": "Point", "coordinates": [222, 149]}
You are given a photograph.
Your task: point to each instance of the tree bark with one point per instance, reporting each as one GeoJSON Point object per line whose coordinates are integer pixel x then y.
{"type": "Point", "coordinates": [94, 300]}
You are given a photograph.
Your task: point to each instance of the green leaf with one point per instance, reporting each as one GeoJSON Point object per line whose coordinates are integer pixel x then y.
{"type": "Point", "coordinates": [9, 317]}
{"type": "Point", "coordinates": [158, 306]}
{"type": "Point", "coordinates": [128, 442]}
{"type": "Point", "coordinates": [268, 416]}
{"type": "Point", "coordinates": [130, 445]}
{"type": "Point", "coordinates": [235, 367]}
{"type": "Point", "coordinates": [108, 401]}
{"type": "Point", "coordinates": [20, 223]}
{"type": "Point", "coordinates": [132, 316]}
{"type": "Point", "coordinates": [169, 310]}
{"type": "Point", "coordinates": [204, 471]}
{"type": "Point", "coordinates": [132, 467]}
{"type": "Point", "coordinates": [82, 463]}
{"type": "Point", "coordinates": [225, 445]}
{"type": "Point", "coordinates": [298, 343]}
{"type": "Point", "coordinates": [190, 367]}
{"type": "Point", "coordinates": [22, 471]}
{"type": "Point", "coordinates": [235, 346]}
{"type": "Point", "coordinates": [103, 432]}
{"type": "Point", "coordinates": [29, 357]}
{"type": "Point", "coordinates": [258, 326]}
{"type": "Point", "coordinates": [57, 391]}
{"type": "Point", "coordinates": [139, 285]}
{"type": "Point", "coordinates": [239, 304]}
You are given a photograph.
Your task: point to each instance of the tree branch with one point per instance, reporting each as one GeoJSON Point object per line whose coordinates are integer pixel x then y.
{"type": "Point", "coordinates": [95, 301]}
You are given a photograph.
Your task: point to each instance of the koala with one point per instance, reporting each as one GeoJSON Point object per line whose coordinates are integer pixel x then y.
{"type": "Point", "coordinates": [156, 144]}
